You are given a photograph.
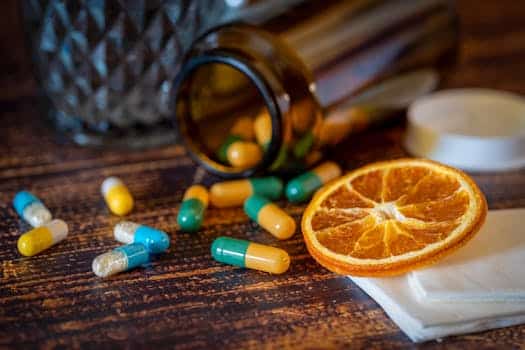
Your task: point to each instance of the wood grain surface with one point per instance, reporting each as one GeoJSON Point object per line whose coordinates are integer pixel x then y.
{"type": "Point", "coordinates": [184, 299]}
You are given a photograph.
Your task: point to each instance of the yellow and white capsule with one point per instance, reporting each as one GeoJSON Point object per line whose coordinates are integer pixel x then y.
{"type": "Point", "coordinates": [117, 196]}
{"type": "Point", "coordinates": [42, 238]}
{"type": "Point", "coordinates": [244, 154]}
{"type": "Point", "coordinates": [270, 217]}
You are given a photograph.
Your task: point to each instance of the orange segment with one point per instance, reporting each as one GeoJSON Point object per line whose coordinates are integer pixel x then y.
{"type": "Point", "coordinates": [391, 217]}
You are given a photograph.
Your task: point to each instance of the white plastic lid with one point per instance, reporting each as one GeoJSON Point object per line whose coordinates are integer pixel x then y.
{"type": "Point", "coordinates": [472, 129]}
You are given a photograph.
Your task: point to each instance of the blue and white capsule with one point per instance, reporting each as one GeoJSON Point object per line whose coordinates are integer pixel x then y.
{"type": "Point", "coordinates": [120, 259]}
{"type": "Point", "coordinates": [155, 241]}
{"type": "Point", "coordinates": [31, 209]}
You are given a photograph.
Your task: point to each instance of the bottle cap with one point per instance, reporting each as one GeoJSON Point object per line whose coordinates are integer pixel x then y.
{"type": "Point", "coordinates": [472, 129]}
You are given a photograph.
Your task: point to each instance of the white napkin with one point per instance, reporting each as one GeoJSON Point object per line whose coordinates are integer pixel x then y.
{"type": "Point", "coordinates": [490, 268]}
{"type": "Point", "coordinates": [422, 319]}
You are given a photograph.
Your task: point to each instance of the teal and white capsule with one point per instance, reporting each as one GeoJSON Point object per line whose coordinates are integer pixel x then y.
{"type": "Point", "coordinates": [155, 241]}
{"type": "Point", "coordinates": [31, 209]}
{"type": "Point", "coordinates": [272, 218]}
{"type": "Point", "coordinates": [192, 209]}
{"type": "Point", "coordinates": [120, 259]}
{"type": "Point", "coordinates": [238, 252]}
{"type": "Point", "coordinates": [301, 188]}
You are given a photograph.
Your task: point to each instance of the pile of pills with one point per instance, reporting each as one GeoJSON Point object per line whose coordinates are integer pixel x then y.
{"type": "Point", "coordinates": [141, 242]}
{"type": "Point", "coordinates": [256, 196]}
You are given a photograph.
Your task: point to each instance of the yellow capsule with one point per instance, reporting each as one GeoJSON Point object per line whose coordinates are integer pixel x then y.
{"type": "Point", "coordinates": [117, 196]}
{"type": "Point", "coordinates": [270, 217]}
{"type": "Point", "coordinates": [243, 127]}
{"type": "Point", "coordinates": [242, 154]}
{"type": "Point", "coordinates": [43, 237]}
{"type": "Point", "coordinates": [263, 129]}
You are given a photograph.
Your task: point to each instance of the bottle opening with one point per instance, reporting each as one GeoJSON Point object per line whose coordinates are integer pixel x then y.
{"type": "Point", "coordinates": [226, 116]}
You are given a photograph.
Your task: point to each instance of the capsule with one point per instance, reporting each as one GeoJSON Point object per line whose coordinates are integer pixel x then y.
{"type": "Point", "coordinates": [117, 196]}
{"type": "Point", "coordinates": [242, 130]}
{"type": "Point", "coordinates": [155, 241]}
{"type": "Point", "coordinates": [270, 217]}
{"type": "Point", "coordinates": [42, 238]}
{"type": "Point", "coordinates": [120, 259]}
{"type": "Point", "coordinates": [31, 209]}
{"type": "Point", "coordinates": [251, 255]}
{"type": "Point", "coordinates": [234, 193]}
{"type": "Point", "coordinates": [244, 154]}
{"type": "Point", "coordinates": [263, 129]}
{"type": "Point", "coordinates": [192, 209]}
{"type": "Point", "coordinates": [303, 186]}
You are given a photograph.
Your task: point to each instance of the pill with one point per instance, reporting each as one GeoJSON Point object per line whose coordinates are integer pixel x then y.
{"type": "Point", "coordinates": [155, 241]}
{"type": "Point", "coordinates": [31, 209]}
{"type": "Point", "coordinates": [242, 130]}
{"type": "Point", "coordinates": [263, 129]}
{"type": "Point", "coordinates": [120, 259]}
{"type": "Point", "coordinates": [251, 255]}
{"type": "Point", "coordinates": [303, 145]}
{"type": "Point", "coordinates": [117, 196]}
{"type": "Point", "coordinates": [270, 217]}
{"type": "Point", "coordinates": [244, 154]}
{"type": "Point", "coordinates": [303, 186]}
{"type": "Point", "coordinates": [42, 238]}
{"type": "Point", "coordinates": [234, 193]}
{"type": "Point", "coordinates": [191, 212]}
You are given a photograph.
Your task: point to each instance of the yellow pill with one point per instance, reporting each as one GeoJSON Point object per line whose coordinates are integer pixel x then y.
{"type": "Point", "coordinates": [263, 129]}
{"type": "Point", "coordinates": [242, 154]}
{"type": "Point", "coordinates": [243, 127]}
{"type": "Point", "coordinates": [117, 196]}
{"type": "Point", "coordinates": [234, 193]}
{"type": "Point", "coordinates": [43, 237]}
{"type": "Point", "coordinates": [251, 255]}
{"type": "Point", "coordinates": [270, 217]}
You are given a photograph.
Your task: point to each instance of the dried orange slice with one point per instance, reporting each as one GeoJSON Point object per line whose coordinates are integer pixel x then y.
{"type": "Point", "coordinates": [391, 217]}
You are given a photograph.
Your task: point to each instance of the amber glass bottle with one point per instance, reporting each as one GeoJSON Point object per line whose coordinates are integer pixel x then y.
{"type": "Point", "coordinates": [283, 77]}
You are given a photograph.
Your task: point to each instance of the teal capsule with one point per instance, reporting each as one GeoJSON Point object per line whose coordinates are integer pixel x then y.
{"type": "Point", "coordinates": [250, 255]}
{"type": "Point", "coordinates": [191, 212]}
{"type": "Point", "coordinates": [120, 259]}
{"type": "Point", "coordinates": [303, 186]}
{"type": "Point", "coordinates": [156, 241]}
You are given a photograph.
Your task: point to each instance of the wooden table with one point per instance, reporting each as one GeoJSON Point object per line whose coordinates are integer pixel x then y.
{"type": "Point", "coordinates": [185, 299]}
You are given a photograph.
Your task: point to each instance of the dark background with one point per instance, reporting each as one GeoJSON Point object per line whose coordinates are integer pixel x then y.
{"type": "Point", "coordinates": [185, 299]}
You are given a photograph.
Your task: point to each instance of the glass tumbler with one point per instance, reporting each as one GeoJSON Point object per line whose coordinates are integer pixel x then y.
{"type": "Point", "coordinates": [106, 67]}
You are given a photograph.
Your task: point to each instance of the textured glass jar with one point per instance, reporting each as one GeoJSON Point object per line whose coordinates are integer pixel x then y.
{"type": "Point", "coordinates": [297, 67]}
{"type": "Point", "coordinates": [106, 67]}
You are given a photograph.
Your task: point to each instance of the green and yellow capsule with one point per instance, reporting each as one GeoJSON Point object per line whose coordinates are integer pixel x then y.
{"type": "Point", "coordinates": [242, 130]}
{"type": "Point", "coordinates": [302, 187]}
{"type": "Point", "coordinates": [192, 209]}
{"type": "Point", "coordinates": [272, 218]}
{"type": "Point", "coordinates": [250, 255]}
{"type": "Point", "coordinates": [234, 193]}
